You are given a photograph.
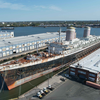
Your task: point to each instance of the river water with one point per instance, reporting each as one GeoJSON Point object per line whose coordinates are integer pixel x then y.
{"type": "Point", "coordinates": [23, 31]}
{"type": "Point", "coordinates": [20, 31]}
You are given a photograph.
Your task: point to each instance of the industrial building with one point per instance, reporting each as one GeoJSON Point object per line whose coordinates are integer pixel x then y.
{"type": "Point", "coordinates": [5, 34]}
{"type": "Point", "coordinates": [24, 43]}
{"type": "Point", "coordinates": [87, 68]}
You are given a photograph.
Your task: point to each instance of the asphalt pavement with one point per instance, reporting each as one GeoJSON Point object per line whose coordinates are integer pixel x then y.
{"type": "Point", "coordinates": [72, 90]}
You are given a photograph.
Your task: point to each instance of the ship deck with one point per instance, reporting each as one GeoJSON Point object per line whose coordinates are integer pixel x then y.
{"type": "Point", "coordinates": [45, 56]}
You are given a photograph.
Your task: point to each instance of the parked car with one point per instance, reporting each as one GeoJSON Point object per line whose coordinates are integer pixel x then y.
{"type": "Point", "coordinates": [50, 88]}
{"type": "Point", "coordinates": [62, 79]}
{"type": "Point", "coordinates": [39, 95]}
{"type": "Point", "coordinates": [42, 93]}
{"type": "Point", "coordinates": [45, 90]}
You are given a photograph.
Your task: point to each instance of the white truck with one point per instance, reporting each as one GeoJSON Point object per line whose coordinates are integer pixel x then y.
{"type": "Point", "coordinates": [42, 93]}
{"type": "Point", "coordinates": [45, 90]}
{"type": "Point", "coordinates": [39, 95]}
{"type": "Point", "coordinates": [50, 87]}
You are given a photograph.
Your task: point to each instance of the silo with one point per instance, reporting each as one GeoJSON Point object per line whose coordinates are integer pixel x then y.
{"type": "Point", "coordinates": [86, 31]}
{"type": "Point", "coordinates": [70, 34]}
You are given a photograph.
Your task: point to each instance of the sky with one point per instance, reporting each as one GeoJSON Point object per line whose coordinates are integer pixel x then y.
{"type": "Point", "coordinates": [49, 10]}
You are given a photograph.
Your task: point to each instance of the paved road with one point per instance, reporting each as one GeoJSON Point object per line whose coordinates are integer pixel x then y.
{"type": "Point", "coordinates": [72, 90]}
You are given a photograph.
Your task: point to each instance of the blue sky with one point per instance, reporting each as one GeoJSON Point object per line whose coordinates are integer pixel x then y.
{"type": "Point", "coordinates": [48, 10]}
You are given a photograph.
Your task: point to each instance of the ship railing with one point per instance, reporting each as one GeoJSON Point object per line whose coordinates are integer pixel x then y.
{"type": "Point", "coordinates": [7, 66]}
{"type": "Point", "coordinates": [20, 64]}
{"type": "Point", "coordinates": [80, 47]}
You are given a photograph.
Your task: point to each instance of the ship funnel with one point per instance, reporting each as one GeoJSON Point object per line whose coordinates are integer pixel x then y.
{"type": "Point", "coordinates": [70, 34]}
{"type": "Point", "coordinates": [86, 31]}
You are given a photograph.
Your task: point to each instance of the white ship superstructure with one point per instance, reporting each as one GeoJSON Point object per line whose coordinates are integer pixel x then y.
{"type": "Point", "coordinates": [67, 47]}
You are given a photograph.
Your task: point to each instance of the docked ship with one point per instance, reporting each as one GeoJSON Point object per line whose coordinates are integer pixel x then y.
{"type": "Point", "coordinates": [16, 72]}
{"type": "Point", "coordinates": [7, 28]}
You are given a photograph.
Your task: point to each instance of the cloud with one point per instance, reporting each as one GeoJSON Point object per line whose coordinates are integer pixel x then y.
{"type": "Point", "coordinates": [55, 8]}
{"type": "Point", "coordinates": [49, 7]}
{"type": "Point", "coordinates": [39, 6]}
{"type": "Point", "coordinates": [13, 6]}
{"type": "Point", "coordinates": [16, 6]}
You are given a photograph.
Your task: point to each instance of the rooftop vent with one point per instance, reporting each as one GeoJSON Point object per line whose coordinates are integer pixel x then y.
{"type": "Point", "coordinates": [78, 66]}
{"type": "Point", "coordinates": [9, 42]}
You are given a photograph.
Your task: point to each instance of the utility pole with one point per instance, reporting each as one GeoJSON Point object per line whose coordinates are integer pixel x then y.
{"type": "Point", "coordinates": [19, 88]}
{"type": "Point", "coordinates": [49, 50]}
{"type": "Point", "coordinates": [37, 47]}
{"type": "Point", "coordinates": [33, 86]}
{"type": "Point", "coordinates": [59, 34]}
{"type": "Point", "coordinates": [48, 80]}
{"type": "Point", "coordinates": [2, 83]}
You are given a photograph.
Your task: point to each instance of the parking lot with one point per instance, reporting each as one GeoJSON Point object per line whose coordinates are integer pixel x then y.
{"type": "Point", "coordinates": [54, 81]}
{"type": "Point", "coordinates": [72, 90]}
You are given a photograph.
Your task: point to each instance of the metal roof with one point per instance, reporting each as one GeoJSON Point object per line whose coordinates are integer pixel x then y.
{"type": "Point", "coordinates": [90, 62]}
{"type": "Point", "coordinates": [25, 39]}
{"type": "Point", "coordinates": [3, 32]}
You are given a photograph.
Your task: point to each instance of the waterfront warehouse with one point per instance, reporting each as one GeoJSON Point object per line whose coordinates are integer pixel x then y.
{"type": "Point", "coordinates": [88, 68]}
{"type": "Point", "coordinates": [24, 43]}
{"type": "Point", "coordinates": [5, 34]}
